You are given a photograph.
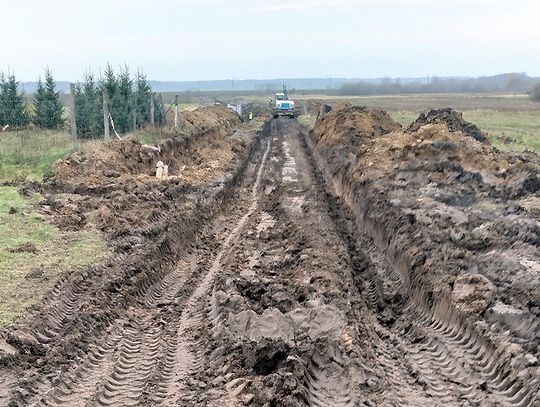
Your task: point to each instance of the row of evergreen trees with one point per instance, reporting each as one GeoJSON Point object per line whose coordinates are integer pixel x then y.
{"type": "Point", "coordinates": [47, 112]}
{"type": "Point", "coordinates": [129, 103]}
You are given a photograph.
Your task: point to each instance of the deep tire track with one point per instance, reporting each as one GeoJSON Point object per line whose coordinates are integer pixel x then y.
{"type": "Point", "coordinates": [188, 358]}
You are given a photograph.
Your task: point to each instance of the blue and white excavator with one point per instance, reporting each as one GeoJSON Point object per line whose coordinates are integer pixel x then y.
{"type": "Point", "coordinates": [284, 107]}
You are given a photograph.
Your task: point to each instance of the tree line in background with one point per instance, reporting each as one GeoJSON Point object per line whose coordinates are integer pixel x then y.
{"type": "Point", "coordinates": [515, 83]}
{"type": "Point", "coordinates": [130, 103]}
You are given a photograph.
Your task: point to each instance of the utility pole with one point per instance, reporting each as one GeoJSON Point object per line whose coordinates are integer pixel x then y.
{"type": "Point", "coordinates": [72, 118]}
{"type": "Point", "coordinates": [176, 111]}
{"type": "Point", "coordinates": [106, 115]}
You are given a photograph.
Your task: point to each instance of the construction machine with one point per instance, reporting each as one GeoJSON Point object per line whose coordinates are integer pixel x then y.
{"type": "Point", "coordinates": [284, 107]}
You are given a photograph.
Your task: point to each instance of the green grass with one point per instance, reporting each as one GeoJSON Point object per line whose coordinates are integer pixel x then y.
{"type": "Point", "coordinates": [26, 277]}
{"type": "Point", "coordinates": [403, 117]}
{"type": "Point", "coordinates": [509, 131]}
{"type": "Point", "coordinates": [27, 155]}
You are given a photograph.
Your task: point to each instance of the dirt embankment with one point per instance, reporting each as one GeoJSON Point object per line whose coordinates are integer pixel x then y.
{"type": "Point", "coordinates": [148, 222]}
{"type": "Point", "coordinates": [107, 162]}
{"type": "Point", "coordinates": [458, 218]}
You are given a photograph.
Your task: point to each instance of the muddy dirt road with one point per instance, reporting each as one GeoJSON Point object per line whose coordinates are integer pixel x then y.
{"type": "Point", "coordinates": [281, 300]}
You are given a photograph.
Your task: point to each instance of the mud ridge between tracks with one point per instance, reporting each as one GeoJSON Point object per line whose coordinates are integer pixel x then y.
{"type": "Point", "coordinates": [452, 345]}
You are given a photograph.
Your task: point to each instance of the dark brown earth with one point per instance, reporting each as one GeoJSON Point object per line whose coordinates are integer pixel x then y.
{"type": "Point", "coordinates": [355, 265]}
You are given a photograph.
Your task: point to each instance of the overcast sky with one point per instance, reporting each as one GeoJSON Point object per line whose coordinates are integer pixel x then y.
{"type": "Point", "coordinates": [221, 39]}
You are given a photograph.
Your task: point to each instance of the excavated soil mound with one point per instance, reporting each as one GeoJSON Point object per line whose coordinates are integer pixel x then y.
{"type": "Point", "coordinates": [459, 218]}
{"type": "Point", "coordinates": [350, 125]}
{"type": "Point", "coordinates": [454, 121]}
{"type": "Point", "coordinates": [103, 162]}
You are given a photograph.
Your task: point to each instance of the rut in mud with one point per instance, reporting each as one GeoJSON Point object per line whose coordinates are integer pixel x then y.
{"type": "Point", "coordinates": [289, 294]}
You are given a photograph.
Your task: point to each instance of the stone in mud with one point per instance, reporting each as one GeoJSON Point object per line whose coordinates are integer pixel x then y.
{"type": "Point", "coordinates": [473, 293]}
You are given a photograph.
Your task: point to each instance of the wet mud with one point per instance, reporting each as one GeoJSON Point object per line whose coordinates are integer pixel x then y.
{"type": "Point", "coordinates": [354, 265]}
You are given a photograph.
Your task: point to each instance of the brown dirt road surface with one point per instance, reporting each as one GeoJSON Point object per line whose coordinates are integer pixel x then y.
{"type": "Point", "coordinates": [354, 265]}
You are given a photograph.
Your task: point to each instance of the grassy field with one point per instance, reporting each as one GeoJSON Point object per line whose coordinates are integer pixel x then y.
{"type": "Point", "coordinates": [507, 130]}
{"type": "Point", "coordinates": [503, 102]}
{"type": "Point", "coordinates": [50, 253]}
{"type": "Point", "coordinates": [27, 155]}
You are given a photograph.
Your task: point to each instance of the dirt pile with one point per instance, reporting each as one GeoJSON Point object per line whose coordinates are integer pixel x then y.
{"type": "Point", "coordinates": [454, 121]}
{"type": "Point", "coordinates": [105, 162]}
{"type": "Point", "coordinates": [352, 125]}
{"type": "Point", "coordinates": [456, 216]}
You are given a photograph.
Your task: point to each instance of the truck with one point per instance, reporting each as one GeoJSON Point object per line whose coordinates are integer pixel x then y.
{"type": "Point", "coordinates": [284, 107]}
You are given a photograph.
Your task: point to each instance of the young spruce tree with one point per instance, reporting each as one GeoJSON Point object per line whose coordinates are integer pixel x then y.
{"type": "Point", "coordinates": [88, 108]}
{"type": "Point", "coordinates": [12, 105]}
{"type": "Point", "coordinates": [143, 98]}
{"type": "Point", "coordinates": [123, 102]}
{"type": "Point", "coordinates": [47, 104]}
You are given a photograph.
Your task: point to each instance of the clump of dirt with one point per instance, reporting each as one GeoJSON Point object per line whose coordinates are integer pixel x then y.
{"type": "Point", "coordinates": [25, 248]}
{"type": "Point", "coordinates": [457, 215]}
{"type": "Point", "coordinates": [454, 120]}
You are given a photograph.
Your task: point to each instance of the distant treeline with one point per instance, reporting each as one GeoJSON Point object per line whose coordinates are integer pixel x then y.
{"type": "Point", "coordinates": [519, 83]}
{"type": "Point", "coordinates": [512, 82]}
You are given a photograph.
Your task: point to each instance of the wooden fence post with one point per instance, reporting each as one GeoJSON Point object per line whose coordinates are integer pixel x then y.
{"type": "Point", "coordinates": [72, 117]}
{"type": "Point", "coordinates": [134, 111]}
{"type": "Point", "coordinates": [106, 115]}
{"type": "Point", "coordinates": [152, 108]}
{"type": "Point", "coordinates": [176, 111]}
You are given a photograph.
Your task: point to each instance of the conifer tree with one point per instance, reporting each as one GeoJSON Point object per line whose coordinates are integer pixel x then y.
{"type": "Point", "coordinates": [159, 110]}
{"type": "Point", "coordinates": [123, 102]}
{"type": "Point", "coordinates": [143, 98]}
{"type": "Point", "coordinates": [88, 108]}
{"type": "Point", "coordinates": [12, 105]}
{"type": "Point", "coordinates": [47, 104]}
